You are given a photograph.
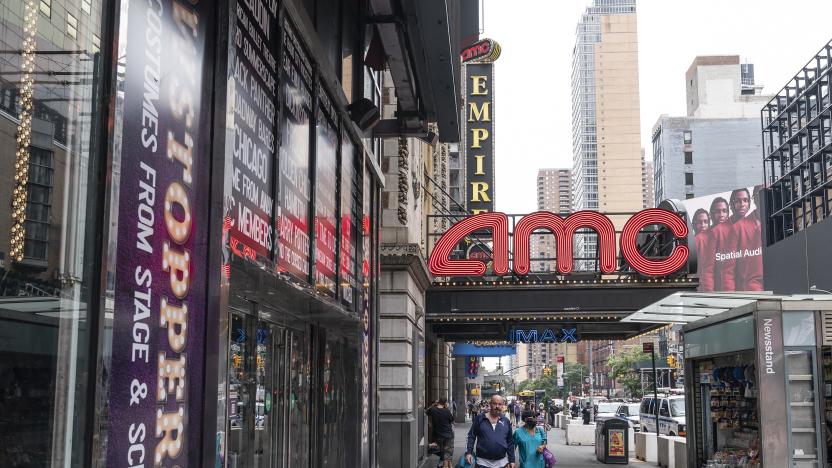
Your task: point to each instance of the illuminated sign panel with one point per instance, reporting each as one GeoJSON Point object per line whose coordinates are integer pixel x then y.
{"type": "Point", "coordinates": [156, 401]}
{"type": "Point", "coordinates": [543, 335]}
{"type": "Point", "coordinates": [564, 230]}
{"type": "Point", "coordinates": [484, 51]}
{"type": "Point", "coordinates": [479, 137]}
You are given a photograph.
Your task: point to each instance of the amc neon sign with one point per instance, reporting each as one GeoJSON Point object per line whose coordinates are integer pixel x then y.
{"type": "Point", "coordinates": [564, 229]}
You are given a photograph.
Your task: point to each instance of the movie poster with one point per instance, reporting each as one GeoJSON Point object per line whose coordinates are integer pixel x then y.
{"type": "Point", "coordinates": [726, 239]}
{"type": "Point", "coordinates": [616, 448]}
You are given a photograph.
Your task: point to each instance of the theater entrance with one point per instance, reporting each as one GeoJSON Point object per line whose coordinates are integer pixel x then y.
{"type": "Point", "coordinates": [268, 411]}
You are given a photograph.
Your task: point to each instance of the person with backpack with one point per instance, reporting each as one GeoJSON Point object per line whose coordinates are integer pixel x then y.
{"type": "Point", "coordinates": [493, 437]}
{"type": "Point", "coordinates": [530, 440]}
{"type": "Point", "coordinates": [442, 422]}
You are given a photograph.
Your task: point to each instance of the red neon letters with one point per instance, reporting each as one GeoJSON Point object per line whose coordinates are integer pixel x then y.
{"type": "Point", "coordinates": [677, 258]}
{"type": "Point", "coordinates": [564, 230]}
{"type": "Point", "coordinates": [439, 261]}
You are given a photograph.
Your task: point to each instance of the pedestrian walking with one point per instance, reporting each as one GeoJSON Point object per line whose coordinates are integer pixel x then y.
{"type": "Point", "coordinates": [518, 410]}
{"type": "Point", "coordinates": [575, 410]}
{"type": "Point", "coordinates": [543, 417]}
{"type": "Point", "coordinates": [442, 424]}
{"type": "Point", "coordinates": [530, 441]}
{"type": "Point", "coordinates": [493, 437]}
{"type": "Point", "coordinates": [587, 413]}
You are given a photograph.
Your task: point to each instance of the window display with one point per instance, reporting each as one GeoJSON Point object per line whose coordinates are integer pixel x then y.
{"type": "Point", "coordinates": [728, 408]}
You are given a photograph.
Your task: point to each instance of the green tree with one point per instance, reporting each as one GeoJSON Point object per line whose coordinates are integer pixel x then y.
{"type": "Point", "coordinates": [573, 377]}
{"type": "Point", "coordinates": [573, 374]}
{"type": "Point", "coordinates": [624, 369]}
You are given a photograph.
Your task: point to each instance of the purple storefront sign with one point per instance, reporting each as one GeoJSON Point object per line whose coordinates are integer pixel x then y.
{"type": "Point", "coordinates": [156, 387]}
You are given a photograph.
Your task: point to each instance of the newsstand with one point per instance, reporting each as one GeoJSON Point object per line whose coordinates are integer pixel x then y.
{"type": "Point", "coordinates": [611, 441]}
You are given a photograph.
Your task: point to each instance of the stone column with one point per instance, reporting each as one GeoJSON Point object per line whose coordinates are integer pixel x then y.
{"type": "Point", "coordinates": [403, 281]}
{"type": "Point", "coordinates": [458, 385]}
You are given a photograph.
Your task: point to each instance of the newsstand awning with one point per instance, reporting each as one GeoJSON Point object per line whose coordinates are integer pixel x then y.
{"type": "Point", "coordinates": [687, 307]}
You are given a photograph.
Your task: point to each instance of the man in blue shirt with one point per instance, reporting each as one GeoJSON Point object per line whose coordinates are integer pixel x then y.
{"type": "Point", "coordinates": [493, 435]}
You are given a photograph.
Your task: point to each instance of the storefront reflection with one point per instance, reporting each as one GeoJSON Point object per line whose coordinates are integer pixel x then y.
{"type": "Point", "coordinates": [50, 62]}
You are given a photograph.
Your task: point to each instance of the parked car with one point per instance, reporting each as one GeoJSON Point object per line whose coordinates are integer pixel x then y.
{"type": "Point", "coordinates": [605, 410]}
{"type": "Point", "coordinates": [671, 415]}
{"type": "Point", "coordinates": [630, 413]}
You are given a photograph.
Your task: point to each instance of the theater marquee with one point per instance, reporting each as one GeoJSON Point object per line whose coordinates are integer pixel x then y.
{"type": "Point", "coordinates": [440, 263]}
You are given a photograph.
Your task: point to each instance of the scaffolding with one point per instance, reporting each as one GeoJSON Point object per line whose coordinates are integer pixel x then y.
{"type": "Point", "coordinates": [797, 146]}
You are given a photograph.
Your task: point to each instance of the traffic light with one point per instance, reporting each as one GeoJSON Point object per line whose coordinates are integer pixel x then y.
{"type": "Point", "coordinates": [671, 360]}
{"type": "Point", "coordinates": [547, 371]}
{"type": "Point", "coordinates": [472, 368]}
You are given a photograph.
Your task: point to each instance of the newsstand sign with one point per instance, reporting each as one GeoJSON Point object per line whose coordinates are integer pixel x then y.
{"type": "Point", "coordinates": [441, 264]}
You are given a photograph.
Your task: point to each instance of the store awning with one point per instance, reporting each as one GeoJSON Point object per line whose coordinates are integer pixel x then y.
{"type": "Point", "coordinates": [687, 307]}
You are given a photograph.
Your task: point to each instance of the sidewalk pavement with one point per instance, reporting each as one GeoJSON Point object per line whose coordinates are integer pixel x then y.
{"type": "Point", "coordinates": [568, 456]}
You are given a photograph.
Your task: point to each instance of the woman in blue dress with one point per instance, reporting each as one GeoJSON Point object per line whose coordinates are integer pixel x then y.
{"type": "Point", "coordinates": [530, 441]}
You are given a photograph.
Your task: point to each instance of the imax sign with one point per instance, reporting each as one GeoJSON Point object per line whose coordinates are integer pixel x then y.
{"type": "Point", "coordinates": [546, 335]}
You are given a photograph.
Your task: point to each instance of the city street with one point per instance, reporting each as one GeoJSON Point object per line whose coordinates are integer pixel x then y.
{"type": "Point", "coordinates": [323, 233]}
{"type": "Point", "coordinates": [568, 456]}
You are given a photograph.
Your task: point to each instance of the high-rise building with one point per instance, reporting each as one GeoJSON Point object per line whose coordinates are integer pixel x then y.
{"type": "Point", "coordinates": [717, 146]}
{"type": "Point", "coordinates": [554, 193]}
{"type": "Point", "coordinates": [606, 138]}
{"type": "Point", "coordinates": [647, 182]}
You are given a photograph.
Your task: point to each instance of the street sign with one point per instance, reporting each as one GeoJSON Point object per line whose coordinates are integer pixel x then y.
{"type": "Point", "coordinates": [647, 347]}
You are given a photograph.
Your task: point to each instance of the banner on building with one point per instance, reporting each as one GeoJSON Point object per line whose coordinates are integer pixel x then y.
{"type": "Point", "coordinates": [726, 240]}
{"type": "Point", "coordinates": [560, 371]}
{"type": "Point", "coordinates": [155, 402]}
{"type": "Point", "coordinates": [479, 137]}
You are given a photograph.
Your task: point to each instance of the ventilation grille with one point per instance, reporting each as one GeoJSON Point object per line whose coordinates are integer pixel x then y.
{"type": "Point", "coordinates": [826, 317]}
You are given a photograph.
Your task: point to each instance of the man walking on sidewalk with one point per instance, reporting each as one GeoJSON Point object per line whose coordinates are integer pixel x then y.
{"type": "Point", "coordinates": [492, 434]}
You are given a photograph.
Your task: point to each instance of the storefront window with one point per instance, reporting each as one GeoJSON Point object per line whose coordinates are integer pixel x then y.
{"type": "Point", "coordinates": [295, 190]}
{"type": "Point", "coordinates": [727, 411]}
{"type": "Point", "coordinates": [325, 202]}
{"type": "Point", "coordinates": [349, 226]}
{"type": "Point", "coordinates": [49, 146]}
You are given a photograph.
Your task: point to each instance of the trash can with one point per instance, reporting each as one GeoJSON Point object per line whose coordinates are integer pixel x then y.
{"type": "Point", "coordinates": [611, 441]}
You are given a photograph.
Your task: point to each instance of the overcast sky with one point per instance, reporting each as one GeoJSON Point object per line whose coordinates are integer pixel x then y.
{"type": "Point", "coordinates": [533, 125]}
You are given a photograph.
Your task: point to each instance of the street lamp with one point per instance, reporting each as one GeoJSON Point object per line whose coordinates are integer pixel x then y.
{"type": "Point", "coordinates": [814, 288]}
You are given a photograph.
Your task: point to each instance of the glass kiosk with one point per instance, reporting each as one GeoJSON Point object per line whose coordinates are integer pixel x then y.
{"type": "Point", "coordinates": [759, 385]}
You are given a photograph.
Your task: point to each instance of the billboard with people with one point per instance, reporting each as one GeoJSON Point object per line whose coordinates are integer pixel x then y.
{"type": "Point", "coordinates": [726, 239]}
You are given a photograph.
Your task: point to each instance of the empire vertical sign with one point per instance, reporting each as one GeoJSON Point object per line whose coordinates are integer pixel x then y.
{"type": "Point", "coordinates": [479, 132]}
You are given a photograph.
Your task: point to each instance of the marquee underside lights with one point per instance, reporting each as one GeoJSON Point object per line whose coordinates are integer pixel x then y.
{"type": "Point", "coordinates": [563, 229]}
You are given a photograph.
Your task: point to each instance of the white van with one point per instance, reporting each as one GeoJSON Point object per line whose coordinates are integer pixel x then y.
{"type": "Point", "coordinates": [671, 415]}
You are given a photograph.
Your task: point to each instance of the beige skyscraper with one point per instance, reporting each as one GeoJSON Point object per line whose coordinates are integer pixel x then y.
{"type": "Point", "coordinates": [606, 138]}
{"type": "Point", "coordinates": [554, 193]}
